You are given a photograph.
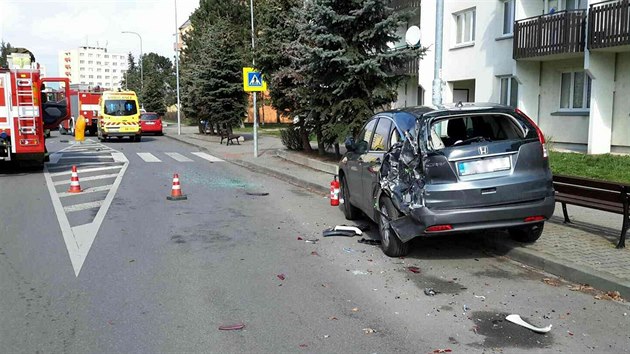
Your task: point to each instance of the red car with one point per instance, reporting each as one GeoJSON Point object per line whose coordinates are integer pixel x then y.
{"type": "Point", "coordinates": [150, 122]}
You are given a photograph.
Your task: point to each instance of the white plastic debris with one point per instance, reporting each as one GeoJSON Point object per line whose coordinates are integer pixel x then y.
{"type": "Point", "coordinates": [516, 319]}
{"type": "Point", "coordinates": [355, 229]}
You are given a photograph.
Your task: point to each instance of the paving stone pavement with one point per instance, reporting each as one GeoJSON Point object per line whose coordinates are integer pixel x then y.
{"type": "Point", "coordinates": [583, 252]}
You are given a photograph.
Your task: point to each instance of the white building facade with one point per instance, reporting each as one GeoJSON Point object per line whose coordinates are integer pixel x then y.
{"type": "Point", "coordinates": [566, 63]}
{"type": "Point", "coordinates": [93, 66]}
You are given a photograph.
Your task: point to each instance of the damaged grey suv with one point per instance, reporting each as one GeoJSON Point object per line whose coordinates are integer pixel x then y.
{"type": "Point", "coordinates": [424, 171]}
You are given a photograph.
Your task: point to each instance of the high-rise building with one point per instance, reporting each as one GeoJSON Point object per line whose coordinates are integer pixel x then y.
{"type": "Point", "coordinates": [93, 66]}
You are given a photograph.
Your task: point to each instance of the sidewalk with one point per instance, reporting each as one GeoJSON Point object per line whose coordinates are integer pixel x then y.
{"type": "Point", "coordinates": [583, 253]}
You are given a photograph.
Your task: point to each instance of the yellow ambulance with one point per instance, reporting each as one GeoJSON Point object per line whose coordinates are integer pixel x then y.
{"type": "Point", "coordinates": [119, 116]}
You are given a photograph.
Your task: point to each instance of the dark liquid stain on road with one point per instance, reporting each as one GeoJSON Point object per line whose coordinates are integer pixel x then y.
{"type": "Point", "coordinates": [501, 333]}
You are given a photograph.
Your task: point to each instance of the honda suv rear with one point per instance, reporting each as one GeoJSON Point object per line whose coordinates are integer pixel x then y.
{"type": "Point", "coordinates": [466, 167]}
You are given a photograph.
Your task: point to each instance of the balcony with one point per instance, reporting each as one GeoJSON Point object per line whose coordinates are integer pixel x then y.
{"type": "Point", "coordinates": [553, 36]}
{"type": "Point", "coordinates": [609, 24]}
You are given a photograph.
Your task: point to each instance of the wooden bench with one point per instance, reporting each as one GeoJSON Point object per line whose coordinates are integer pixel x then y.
{"type": "Point", "coordinates": [228, 136]}
{"type": "Point", "coordinates": [601, 195]}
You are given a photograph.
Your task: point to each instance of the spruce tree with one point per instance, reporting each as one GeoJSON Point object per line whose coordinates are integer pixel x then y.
{"type": "Point", "coordinates": [349, 70]}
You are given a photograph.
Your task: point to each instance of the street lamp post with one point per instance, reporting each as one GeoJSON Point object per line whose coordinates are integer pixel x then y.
{"type": "Point", "coordinates": [251, 9]}
{"type": "Point", "coordinates": [141, 72]}
{"type": "Point", "coordinates": [179, 126]}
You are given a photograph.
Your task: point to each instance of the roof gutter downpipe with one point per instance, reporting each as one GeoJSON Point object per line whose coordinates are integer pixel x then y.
{"type": "Point", "coordinates": [437, 68]}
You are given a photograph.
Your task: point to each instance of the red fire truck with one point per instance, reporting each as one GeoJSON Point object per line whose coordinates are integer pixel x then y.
{"type": "Point", "coordinates": [24, 113]}
{"type": "Point", "coordinates": [84, 103]}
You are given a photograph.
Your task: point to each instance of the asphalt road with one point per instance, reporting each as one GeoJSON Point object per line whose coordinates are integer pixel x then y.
{"type": "Point", "coordinates": [120, 269]}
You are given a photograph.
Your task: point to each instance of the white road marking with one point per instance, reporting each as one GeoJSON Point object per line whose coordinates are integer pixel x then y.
{"type": "Point", "coordinates": [91, 178]}
{"type": "Point", "coordinates": [86, 170]}
{"type": "Point", "coordinates": [79, 239]}
{"type": "Point", "coordinates": [54, 158]}
{"type": "Point", "coordinates": [208, 157]}
{"type": "Point", "coordinates": [83, 206]}
{"type": "Point", "coordinates": [87, 190]}
{"type": "Point", "coordinates": [178, 157]}
{"type": "Point", "coordinates": [148, 157]}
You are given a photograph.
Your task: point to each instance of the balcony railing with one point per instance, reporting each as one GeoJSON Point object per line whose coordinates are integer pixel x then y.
{"type": "Point", "coordinates": [409, 68]}
{"type": "Point", "coordinates": [558, 33]}
{"type": "Point", "coordinates": [405, 4]}
{"type": "Point", "coordinates": [609, 24]}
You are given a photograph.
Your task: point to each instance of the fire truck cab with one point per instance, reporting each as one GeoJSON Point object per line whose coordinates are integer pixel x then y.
{"type": "Point", "coordinates": [24, 112]}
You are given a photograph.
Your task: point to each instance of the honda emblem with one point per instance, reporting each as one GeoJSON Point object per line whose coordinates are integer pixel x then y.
{"type": "Point", "coordinates": [483, 150]}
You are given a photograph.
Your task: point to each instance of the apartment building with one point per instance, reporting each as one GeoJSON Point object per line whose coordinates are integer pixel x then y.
{"type": "Point", "coordinates": [93, 66]}
{"type": "Point", "coordinates": [566, 63]}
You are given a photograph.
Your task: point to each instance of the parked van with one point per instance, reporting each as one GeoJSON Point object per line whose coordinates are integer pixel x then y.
{"type": "Point", "coordinates": [119, 116]}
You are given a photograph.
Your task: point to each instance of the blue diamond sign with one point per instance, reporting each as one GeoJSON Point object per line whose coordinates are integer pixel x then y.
{"type": "Point", "coordinates": [253, 80]}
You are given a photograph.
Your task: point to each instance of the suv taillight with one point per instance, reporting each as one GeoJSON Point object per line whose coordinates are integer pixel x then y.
{"type": "Point", "coordinates": [541, 137]}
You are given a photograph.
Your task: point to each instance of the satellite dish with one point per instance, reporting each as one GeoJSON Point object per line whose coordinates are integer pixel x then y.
{"type": "Point", "coordinates": [412, 37]}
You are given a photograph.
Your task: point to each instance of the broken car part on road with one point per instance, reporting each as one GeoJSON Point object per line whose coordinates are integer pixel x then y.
{"type": "Point", "coordinates": [519, 321]}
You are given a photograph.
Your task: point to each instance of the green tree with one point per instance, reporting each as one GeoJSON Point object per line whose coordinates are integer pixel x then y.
{"type": "Point", "coordinates": [159, 83]}
{"type": "Point", "coordinates": [216, 84]}
{"type": "Point", "coordinates": [196, 79]}
{"type": "Point", "coordinates": [279, 58]}
{"type": "Point", "coordinates": [349, 70]}
{"type": "Point", "coordinates": [131, 80]}
{"type": "Point", "coordinates": [5, 50]}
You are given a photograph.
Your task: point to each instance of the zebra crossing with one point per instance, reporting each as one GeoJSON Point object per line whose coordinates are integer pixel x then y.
{"type": "Point", "coordinates": [156, 157]}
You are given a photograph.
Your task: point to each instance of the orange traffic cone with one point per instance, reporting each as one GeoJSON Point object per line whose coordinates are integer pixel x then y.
{"type": "Point", "coordinates": [74, 181]}
{"type": "Point", "coordinates": [176, 191]}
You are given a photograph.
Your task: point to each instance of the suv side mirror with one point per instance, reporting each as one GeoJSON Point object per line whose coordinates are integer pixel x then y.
{"type": "Point", "coordinates": [350, 146]}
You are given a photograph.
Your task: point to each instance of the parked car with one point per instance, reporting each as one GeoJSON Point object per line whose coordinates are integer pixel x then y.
{"type": "Point", "coordinates": [424, 171]}
{"type": "Point", "coordinates": [151, 122]}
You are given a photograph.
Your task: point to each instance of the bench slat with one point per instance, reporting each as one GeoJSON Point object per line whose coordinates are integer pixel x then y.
{"type": "Point", "coordinates": [586, 192]}
{"type": "Point", "coordinates": [611, 186]}
{"type": "Point", "coordinates": [617, 209]}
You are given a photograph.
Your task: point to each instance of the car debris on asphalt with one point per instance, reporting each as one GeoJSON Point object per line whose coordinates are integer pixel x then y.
{"type": "Point", "coordinates": [232, 327]}
{"type": "Point", "coordinates": [414, 269]}
{"type": "Point", "coordinates": [370, 242]}
{"type": "Point", "coordinates": [429, 292]}
{"type": "Point", "coordinates": [516, 319]}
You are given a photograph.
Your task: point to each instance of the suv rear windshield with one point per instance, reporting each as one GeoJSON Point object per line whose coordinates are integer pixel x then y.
{"type": "Point", "coordinates": [120, 107]}
{"type": "Point", "coordinates": [145, 116]}
{"type": "Point", "coordinates": [463, 130]}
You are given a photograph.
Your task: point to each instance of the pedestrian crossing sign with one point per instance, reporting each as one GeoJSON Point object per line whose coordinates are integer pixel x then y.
{"type": "Point", "coordinates": [253, 81]}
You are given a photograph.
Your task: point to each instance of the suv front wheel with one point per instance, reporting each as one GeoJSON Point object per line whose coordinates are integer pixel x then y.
{"type": "Point", "coordinates": [349, 211]}
{"type": "Point", "coordinates": [528, 234]}
{"type": "Point", "coordinates": [390, 243]}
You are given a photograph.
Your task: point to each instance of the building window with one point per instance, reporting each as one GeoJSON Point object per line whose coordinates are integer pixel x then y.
{"type": "Point", "coordinates": [113, 70]}
{"type": "Point", "coordinates": [83, 76]}
{"type": "Point", "coordinates": [98, 63]}
{"type": "Point", "coordinates": [107, 77]}
{"type": "Point", "coordinates": [106, 70]}
{"type": "Point", "coordinates": [81, 54]}
{"type": "Point", "coordinates": [99, 69]}
{"type": "Point", "coordinates": [509, 91]}
{"type": "Point", "coordinates": [90, 62]}
{"type": "Point", "coordinates": [91, 76]}
{"type": "Point", "coordinates": [81, 69]}
{"type": "Point", "coordinates": [82, 61]}
{"type": "Point", "coordinates": [90, 55]}
{"type": "Point", "coordinates": [465, 27]}
{"type": "Point", "coordinates": [508, 16]}
{"type": "Point", "coordinates": [576, 4]}
{"type": "Point", "coordinates": [575, 91]}
{"type": "Point", "coordinates": [98, 76]}
{"type": "Point", "coordinates": [106, 56]}
{"type": "Point", "coordinates": [114, 63]}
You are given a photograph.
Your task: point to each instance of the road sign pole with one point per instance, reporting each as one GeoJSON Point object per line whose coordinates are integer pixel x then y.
{"type": "Point", "coordinates": [255, 126]}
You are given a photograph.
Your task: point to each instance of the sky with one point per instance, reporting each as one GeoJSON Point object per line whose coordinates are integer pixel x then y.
{"type": "Point", "coordinates": [47, 26]}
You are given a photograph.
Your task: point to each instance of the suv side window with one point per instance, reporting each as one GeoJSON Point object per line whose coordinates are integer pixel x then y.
{"type": "Point", "coordinates": [381, 134]}
{"type": "Point", "coordinates": [365, 136]}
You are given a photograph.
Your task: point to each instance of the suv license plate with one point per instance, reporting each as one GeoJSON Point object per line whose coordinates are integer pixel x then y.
{"type": "Point", "coordinates": [483, 166]}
